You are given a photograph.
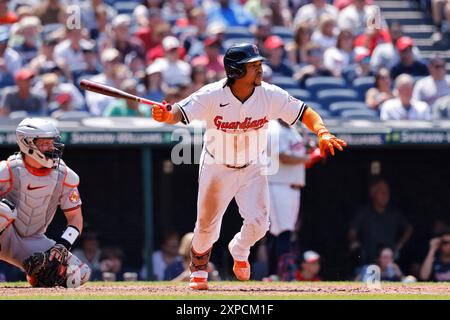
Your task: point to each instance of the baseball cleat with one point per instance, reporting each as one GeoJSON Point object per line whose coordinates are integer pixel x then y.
{"type": "Point", "coordinates": [241, 270]}
{"type": "Point", "coordinates": [198, 284]}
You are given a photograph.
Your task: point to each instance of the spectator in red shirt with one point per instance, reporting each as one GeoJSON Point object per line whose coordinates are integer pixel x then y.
{"type": "Point", "coordinates": [212, 59]}
{"type": "Point", "coordinates": [309, 267]}
{"type": "Point", "coordinates": [274, 45]}
{"type": "Point", "coordinates": [146, 32]}
{"type": "Point", "coordinates": [156, 50]}
{"type": "Point", "coordinates": [372, 37]}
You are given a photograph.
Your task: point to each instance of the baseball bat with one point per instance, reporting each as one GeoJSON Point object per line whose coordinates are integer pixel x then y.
{"type": "Point", "coordinates": [116, 93]}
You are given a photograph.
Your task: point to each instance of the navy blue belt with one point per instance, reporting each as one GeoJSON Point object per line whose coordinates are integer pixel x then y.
{"type": "Point", "coordinates": [227, 165]}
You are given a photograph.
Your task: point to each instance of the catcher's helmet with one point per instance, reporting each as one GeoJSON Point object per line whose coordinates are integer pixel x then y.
{"type": "Point", "coordinates": [32, 128]}
{"type": "Point", "coordinates": [238, 55]}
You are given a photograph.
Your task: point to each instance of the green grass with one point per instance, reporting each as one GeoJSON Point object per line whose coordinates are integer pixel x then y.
{"type": "Point", "coordinates": [229, 291]}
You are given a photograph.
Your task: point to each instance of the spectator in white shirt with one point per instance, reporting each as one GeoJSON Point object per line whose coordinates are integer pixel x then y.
{"type": "Point", "coordinates": [339, 57]}
{"type": "Point", "coordinates": [325, 35]}
{"type": "Point", "coordinates": [70, 50]}
{"type": "Point", "coordinates": [10, 61]}
{"type": "Point", "coordinates": [111, 75]}
{"type": "Point", "coordinates": [404, 107]}
{"type": "Point", "coordinates": [312, 12]}
{"type": "Point", "coordinates": [174, 70]}
{"type": "Point", "coordinates": [434, 86]}
{"type": "Point", "coordinates": [28, 30]}
{"type": "Point", "coordinates": [358, 16]}
{"type": "Point", "coordinates": [342, 55]}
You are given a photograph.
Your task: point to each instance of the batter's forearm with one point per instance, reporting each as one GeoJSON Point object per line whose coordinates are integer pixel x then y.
{"type": "Point", "coordinates": [313, 120]}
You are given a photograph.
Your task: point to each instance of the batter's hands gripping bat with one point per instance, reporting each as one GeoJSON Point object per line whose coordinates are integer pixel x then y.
{"type": "Point", "coordinates": [116, 93]}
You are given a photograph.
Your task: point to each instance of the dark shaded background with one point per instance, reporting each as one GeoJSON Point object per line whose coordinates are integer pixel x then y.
{"type": "Point", "coordinates": [112, 194]}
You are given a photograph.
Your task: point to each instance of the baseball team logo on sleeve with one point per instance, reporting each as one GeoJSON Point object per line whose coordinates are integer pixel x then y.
{"type": "Point", "coordinates": [74, 196]}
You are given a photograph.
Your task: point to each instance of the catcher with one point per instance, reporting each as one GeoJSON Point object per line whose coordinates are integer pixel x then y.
{"type": "Point", "coordinates": [33, 183]}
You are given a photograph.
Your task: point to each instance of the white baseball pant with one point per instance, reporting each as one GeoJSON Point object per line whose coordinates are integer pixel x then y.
{"type": "Point", "coordinates": [218, 185]}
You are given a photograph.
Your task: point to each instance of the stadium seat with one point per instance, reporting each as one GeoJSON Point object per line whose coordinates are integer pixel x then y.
{"type": "Point", "coordinates": [315, 84]}
{"type": "Point", "coordinates": [323, 113]}
{"type": "Point", "coordinates": [237, 32]}
{"type": "Point", "coordinates": [299, 94]}
{"type": "Point", "coordinates": [228, 43]}
{"type": "Point", "coordinates": [287, 34]}
{"type": "Point", "coordinates": [328, 96]}
{"type": "Point", "coordinates": [73, 115]}
{"type": "Point", "coordinates": [18, 115]}
{"type": "Point", "coordinates": [367, 114]}
{"type": "Point", "coordinates": [315, 105]}
{"type": "Point", "coordinates": [285, 82]}
{"type": "Point", "coordinates": [125, 7]}
{"type": "Point", "coordinates": [337, 108]}
{"type": "Point", "coordinates": [362, 85]}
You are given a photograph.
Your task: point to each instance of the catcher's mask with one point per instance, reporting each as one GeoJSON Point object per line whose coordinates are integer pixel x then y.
{"type": "Point", "coordinates": [31, 129]}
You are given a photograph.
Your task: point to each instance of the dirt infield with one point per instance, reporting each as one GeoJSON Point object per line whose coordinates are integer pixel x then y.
{"type": "Point", "coordinates": [225, 290]}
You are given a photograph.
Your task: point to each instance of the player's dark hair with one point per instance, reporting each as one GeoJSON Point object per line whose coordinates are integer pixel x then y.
{"type": "Point", "coordinates": [443, 232]}
{"type": "Point", "coordinates": [374, 180]}
{"type": "Point", "coordinates": [230, 81]}
{"type": "Point", "coordinates": [382, 247]}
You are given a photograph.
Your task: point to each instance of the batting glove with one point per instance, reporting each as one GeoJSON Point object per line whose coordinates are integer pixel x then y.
{"type": "Point", "coordinates": [327, 142]}
{"type": "Point", "coordinates": [58, 252]}
{"type": "Point", "coordinates": [162, 113]}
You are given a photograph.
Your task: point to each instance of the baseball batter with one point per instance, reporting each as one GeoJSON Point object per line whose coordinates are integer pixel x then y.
{"type": "Point", "coordinates": [33, 183]}
{"type": "Point", "coordinates": [237, 111]}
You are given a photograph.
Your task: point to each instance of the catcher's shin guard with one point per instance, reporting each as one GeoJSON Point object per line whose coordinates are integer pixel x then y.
{"type": "Point", "coordinates": [199, 270]}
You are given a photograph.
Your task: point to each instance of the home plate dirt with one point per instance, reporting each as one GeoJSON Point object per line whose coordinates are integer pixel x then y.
{"type": "Point", "coordinates": [225, 289]}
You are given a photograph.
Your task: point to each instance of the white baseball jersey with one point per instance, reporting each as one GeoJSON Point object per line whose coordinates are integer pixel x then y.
{"type": "Point", "coordinates": [236, 136]}
{"type": "Point", "coordinates": [236, 131]}
{"type": "Point", "coordinates": [289, 142]}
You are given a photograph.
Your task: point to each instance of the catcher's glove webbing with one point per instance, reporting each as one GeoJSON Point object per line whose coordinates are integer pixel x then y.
{"type": "Point", "coordinates": [46, 272]}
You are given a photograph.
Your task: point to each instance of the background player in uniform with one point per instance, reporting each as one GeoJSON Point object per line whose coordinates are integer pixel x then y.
{"type": "Point", "coordinates": [33, 184]}
{"type": "Point", "coordinates": [237, 111]}
{"type": "Point", "coordinates": [285, 187]}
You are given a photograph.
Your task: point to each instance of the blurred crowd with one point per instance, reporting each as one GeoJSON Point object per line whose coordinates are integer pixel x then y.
{"type": "Point", "coordinates": [165, 50]}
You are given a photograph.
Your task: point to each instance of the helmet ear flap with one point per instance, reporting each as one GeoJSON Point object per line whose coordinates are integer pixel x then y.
{"type": "Point", "coordinates": [236, 72]}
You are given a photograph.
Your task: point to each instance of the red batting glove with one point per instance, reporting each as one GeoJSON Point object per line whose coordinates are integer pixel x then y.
{"type": "Point", "coordinates": [162, 113]}
{"type": "Point", "coordinates": [314, 157]}
{"type": "Point", "coordinates": [327, 142]}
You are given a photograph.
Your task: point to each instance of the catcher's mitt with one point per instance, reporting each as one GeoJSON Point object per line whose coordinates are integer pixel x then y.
{"type": "Point", "coordinates": [45, 270]}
